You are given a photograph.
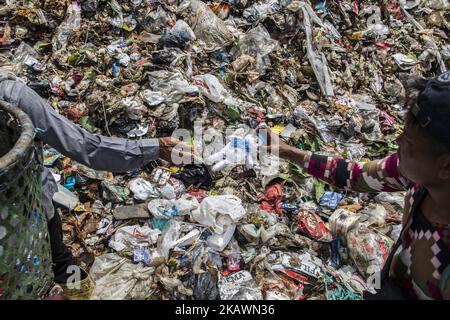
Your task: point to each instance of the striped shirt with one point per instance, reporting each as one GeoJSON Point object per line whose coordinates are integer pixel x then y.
{"type": "Point", "coordinates": [421, 264]}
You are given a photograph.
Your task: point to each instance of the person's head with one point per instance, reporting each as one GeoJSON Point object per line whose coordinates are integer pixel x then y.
{"type": "Point", "coordinates": [424, 145]}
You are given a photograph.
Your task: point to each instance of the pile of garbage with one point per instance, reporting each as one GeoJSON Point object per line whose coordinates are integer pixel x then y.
{"type": "Point", "coordinates": [325, 75]}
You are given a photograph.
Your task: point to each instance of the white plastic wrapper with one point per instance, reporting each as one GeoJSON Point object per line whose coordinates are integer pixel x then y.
{"type": "Point", "coordinates": [239, 286]}
{"type": "Point", "coordinates": [117, 278]}
{"type": "Point", "coordinates": [142, 189]}
{"type": "Point", "coordinates": [218, 242]}
{"type": "Point", "coordinates": [154, 98]}
{"type": "Point", "coordinates": [127, 237]}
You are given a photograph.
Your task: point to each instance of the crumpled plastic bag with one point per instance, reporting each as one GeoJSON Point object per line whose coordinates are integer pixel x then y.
{"type": "Point", "coordinates": [179, 34]}
{"type": "Point", "coordinates": [67, 28]}
{"type": "Point", "coordinates": [212, 88]}
{"type": "Point", "coordinates": [116, 278]}
{"type": "Point", "coordinates": [368, 249]}
{"type": "Point", "coordinates": [312, 225]}
{"type": "Point", "coordinates": [261, 10]}
{"type": "Point", "coordinates": [144, 190]}
{"type": "Point", "coordinates": [169, 237]}
{"type": "Point", "coordinates": [219, 212]}
{"type": "Point", "coordinates": [168, 82]}
{"type": "Point", "coordinates": [205, 24]}
{"type": "Point", "coordinates": [125, 238]}
{"type": "Point", "coordinates": [271, 202]}
{"type": "Point", "coordinates": [195, 174]}
{"type": "Point", "coordinates": [257, 43]}
{"type": "Point", "coordinates": [205, 288]}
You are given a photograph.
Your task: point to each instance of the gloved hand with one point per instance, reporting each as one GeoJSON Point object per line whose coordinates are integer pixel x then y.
{"type": "Point", "coordinates": [238, 151]}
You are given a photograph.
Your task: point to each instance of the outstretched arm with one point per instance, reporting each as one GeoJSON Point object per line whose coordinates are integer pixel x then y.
{"type": "Point", "coordinates": [95, 151]}
{"type": "Point", "coordinates": [373, 176]}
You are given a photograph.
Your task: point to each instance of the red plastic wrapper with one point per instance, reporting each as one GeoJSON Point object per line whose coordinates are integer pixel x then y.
{"type": "Point", "coordinates": [271, 202]}
{"type": "Point", "coordinates": [383, 45]}
{"type": "Point", "coordinates": [198, 193]}
{"type": "Point", "coordinates": [355, 7]}
{"type": "Point", "coordinates": [313, 226]}
{"type": "Point", "coordinates": [388, 122]}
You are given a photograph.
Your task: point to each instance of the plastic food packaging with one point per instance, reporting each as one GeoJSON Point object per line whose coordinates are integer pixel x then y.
{"type": "Point", "coordinates": [239, 286]}
{"type": "Point", "coordinates": [368, 249]}
{"type": "Point", "coordinates": [125, 238]}
{"type": "Point", "coordinates": [342, 221]}
{"type": "Point", "coordinates": [312, 225]}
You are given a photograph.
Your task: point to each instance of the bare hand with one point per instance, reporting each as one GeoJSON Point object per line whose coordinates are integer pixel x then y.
{"type": "Point", "coordinates": [272, 141]}
{"type": "Point", "coordinates": [170, 147]}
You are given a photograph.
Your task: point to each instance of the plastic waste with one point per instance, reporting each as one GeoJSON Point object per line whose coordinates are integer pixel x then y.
{"type": "Point", "coordinates": [218, 242]}
{"type": "Point", "coordinates": [114, 193]}
{"type": "Point", "coordinates": [205, 24]}
{"type": "Point", "coordinates": [162, 208]}
{"type": "Point", "coordinates": [142, 189]}
{"type": "Point", "coordinates": [195, 174]}
{"type": "Point", "coordinates": [368, 249]}
{"type": "Point", "coordinates": [219, 212]}
{"type": "Point", "coordinates": [261, 10]}
{"type": "Point", "coordinates": [342, 221]}
{"type": "Point", "coordinates": [272, 200]}
{"type": "Point", "coordinates": [330, 200]}
{"type": "Point", "coordinates": [237, 151]}
{"type": "Point", "coordinates": [239, 286]}
{"type": "Point", "coordinates": [168, 238]}
{"type": "Point", "coordinates": [125, 238]}
{"type": "Point", "coordinates": [258, 44]}
{"type": "Point", "coordinates": [205, 288]}
{"type": "Point", "coordinates": [312, 226]}
{"type": "Point", "coordinates": [117, 278]}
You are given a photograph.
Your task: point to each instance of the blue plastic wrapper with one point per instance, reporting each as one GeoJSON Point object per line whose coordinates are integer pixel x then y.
{"type": "Point", "coordinates": [289, 207]}
{"type": "Point", "coordinates": [321, 6]}
{"type": "Point", "coordinates": [335, 255]}
{"type": "Point", "coordinates": [70, 183]}
{"type": "Point", "coordinates": [115, 70]}
{"type": "Point", "coordinates": [141, 253]}
{"type": "Point", "coordinates": [330, 200]}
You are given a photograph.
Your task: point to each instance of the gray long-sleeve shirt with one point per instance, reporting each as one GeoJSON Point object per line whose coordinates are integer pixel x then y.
{"type": "Point", "coordinates": [95, 151]}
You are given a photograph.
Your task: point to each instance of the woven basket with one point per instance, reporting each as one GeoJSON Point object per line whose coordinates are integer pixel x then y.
{"type": "Point", "coordinates": [25, 256]}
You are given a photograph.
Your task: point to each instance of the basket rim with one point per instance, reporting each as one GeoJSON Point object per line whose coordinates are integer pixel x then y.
{"type": "Point", "coordinates": [25, 140]}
